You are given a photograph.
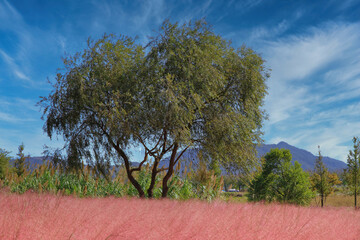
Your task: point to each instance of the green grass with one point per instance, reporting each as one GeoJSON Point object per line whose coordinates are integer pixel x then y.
{"type": "Point", "coordinates": [336, 200]}
{"type": "Point", "coordinates": [86, 183]}
{"type": "Point", "coordinates": [239, 197]}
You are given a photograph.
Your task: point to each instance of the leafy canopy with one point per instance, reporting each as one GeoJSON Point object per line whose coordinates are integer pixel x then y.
{"type": "Point", "coordinates": [188, 87]}
{"type": "Point", "coordinates": [281, 181]}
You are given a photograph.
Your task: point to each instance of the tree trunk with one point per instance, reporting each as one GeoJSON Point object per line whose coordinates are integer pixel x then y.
{"type": "Point", "coordinates": [153, 178]}
{"type": "Point", "coordinates": [355, 196]}
{"type": "Point", "coordinates": [129, 174]}
{"type": "Point", "coordinates": [170, 171]}
{"type": "Point", "coordinates": [322, 200]}
{"type": "Point", "coordinates": [133, 181]}
{"type": "Point", "coordinates": [355, 193]}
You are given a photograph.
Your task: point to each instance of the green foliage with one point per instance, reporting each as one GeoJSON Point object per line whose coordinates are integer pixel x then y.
{"type": "Point", "coordinates": [206, 184]}
{"type": "Point", "coordinates": [4, 162]}
{"type": "Point", "coordinates": [353, 171]}
{"type": "Point", "coordinates": [187, 88]}
{"type": "Point", "coordinates": [215, 167]}
{"type": "Point", "coordinates": [46, 178]}
{"type": "Point", "coordinates": [233, 181]}
{"type": "Point", "coordinates": [281, 181]}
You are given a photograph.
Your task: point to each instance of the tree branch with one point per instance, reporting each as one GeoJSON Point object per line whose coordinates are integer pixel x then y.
{"type": "Point", "coordinates": [140, 165]}
{"type": "Point", "coordinates": [177, 159]}
{"type": "Point", "coordinates": [161, 169]}
{"type": "Point", "coordinates": [151, 152]}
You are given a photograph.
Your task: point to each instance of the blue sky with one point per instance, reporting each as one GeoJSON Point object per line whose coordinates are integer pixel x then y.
{"type": "Point", "coordinates": [312, 47]}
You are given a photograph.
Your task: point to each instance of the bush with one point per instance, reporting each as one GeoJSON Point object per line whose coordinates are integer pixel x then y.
{"type": "Point", "coordinates": [281, 181]}
{"type": "Point", "coordinates": [4, 162]}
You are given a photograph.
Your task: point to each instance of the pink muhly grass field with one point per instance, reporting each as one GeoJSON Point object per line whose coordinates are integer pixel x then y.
{"type": "Point", "coordinates": [43, 216]}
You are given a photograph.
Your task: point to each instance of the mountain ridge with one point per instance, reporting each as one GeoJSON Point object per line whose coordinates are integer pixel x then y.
{"type": "Point", "coordinates": [304, 157]}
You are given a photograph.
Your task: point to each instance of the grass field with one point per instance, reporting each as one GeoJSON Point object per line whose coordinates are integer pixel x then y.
{"type": "Point", "coordinates": [44, 216]}
{"type": "Point", "coordinates": [334, 200]}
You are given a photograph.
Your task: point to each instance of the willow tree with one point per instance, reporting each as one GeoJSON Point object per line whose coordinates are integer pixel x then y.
{"type": "Point", "coordinates": [188, 87]}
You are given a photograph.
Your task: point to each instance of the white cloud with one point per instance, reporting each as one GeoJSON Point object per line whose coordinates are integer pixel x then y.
{"type": "Point", "coordinates": [10, 118]}
{"type": "Point", "coordinates": [24, 58]}
{"type": "Point", "coordinates": [314, 88]}
{"type": "Point", "coordinates": [151, 12]}
{"type": "Point", "coordinates": [262, 32]}
{"type": "Point", "coordinates": [14, 68]}
{"type": "Point", "coordinates": [344, 4]}
{"type": "Point", "coordinates": [8, 15]}
{"type": "Point", "coordinates": [6, 57]}
{"type": "Point", "coordinates": [334, 139]}
{"type": "Point", "coordinates": [297, 57]}
{"type": "Point", "coordinates": [16, 104]}
{"type": "Point", "coordinates": [21, 75]}
{"type": "Point", "coordinates": [7, 117]}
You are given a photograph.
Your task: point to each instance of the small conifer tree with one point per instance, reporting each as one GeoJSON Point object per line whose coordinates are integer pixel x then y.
{"type": "Point", "coordinates": [20, 161]}
{"type": "Point", "coordinates": [353, 163]}
{"type": "Point", "coordinates": [321, 179]}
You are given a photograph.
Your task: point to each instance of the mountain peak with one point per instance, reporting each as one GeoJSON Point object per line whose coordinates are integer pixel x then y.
{"type": "Point", "coordinates": [304, 157]}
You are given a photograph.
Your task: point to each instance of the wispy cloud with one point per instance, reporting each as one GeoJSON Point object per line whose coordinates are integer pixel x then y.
{"type": "Point", "coordinates": [11, 20]}
{"type": "Point", "coordinates": [262, 32]}
{"type": "Point", "coordinates": [314, 83]}
{"type": "Point", "coordinates": [344, 4]}
{"type": "Point", "coordinates": [10, 118]}
{"type": "Point", "coordinates": [7, 117]}
{"type": "Point", "coordinates": [9, 60]}
{"type": "Point", "coordinates": [29, 46]}
{"type": "Point", "coordinates": [297, 57]}
{"type": "Point", "coordinates": [14, 68]}
{"type": "Point", "coordinates": [246, 5]}
{"type": "Point", "coordinates": [8, 15]}
{"type": "Point", "coordinates": [18, 104]}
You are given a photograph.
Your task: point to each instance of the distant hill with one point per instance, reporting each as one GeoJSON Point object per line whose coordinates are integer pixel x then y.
{"type": "Point", "coordinates": [305, 158]}
{"type": "Point", "coordinates": [32, 162]}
